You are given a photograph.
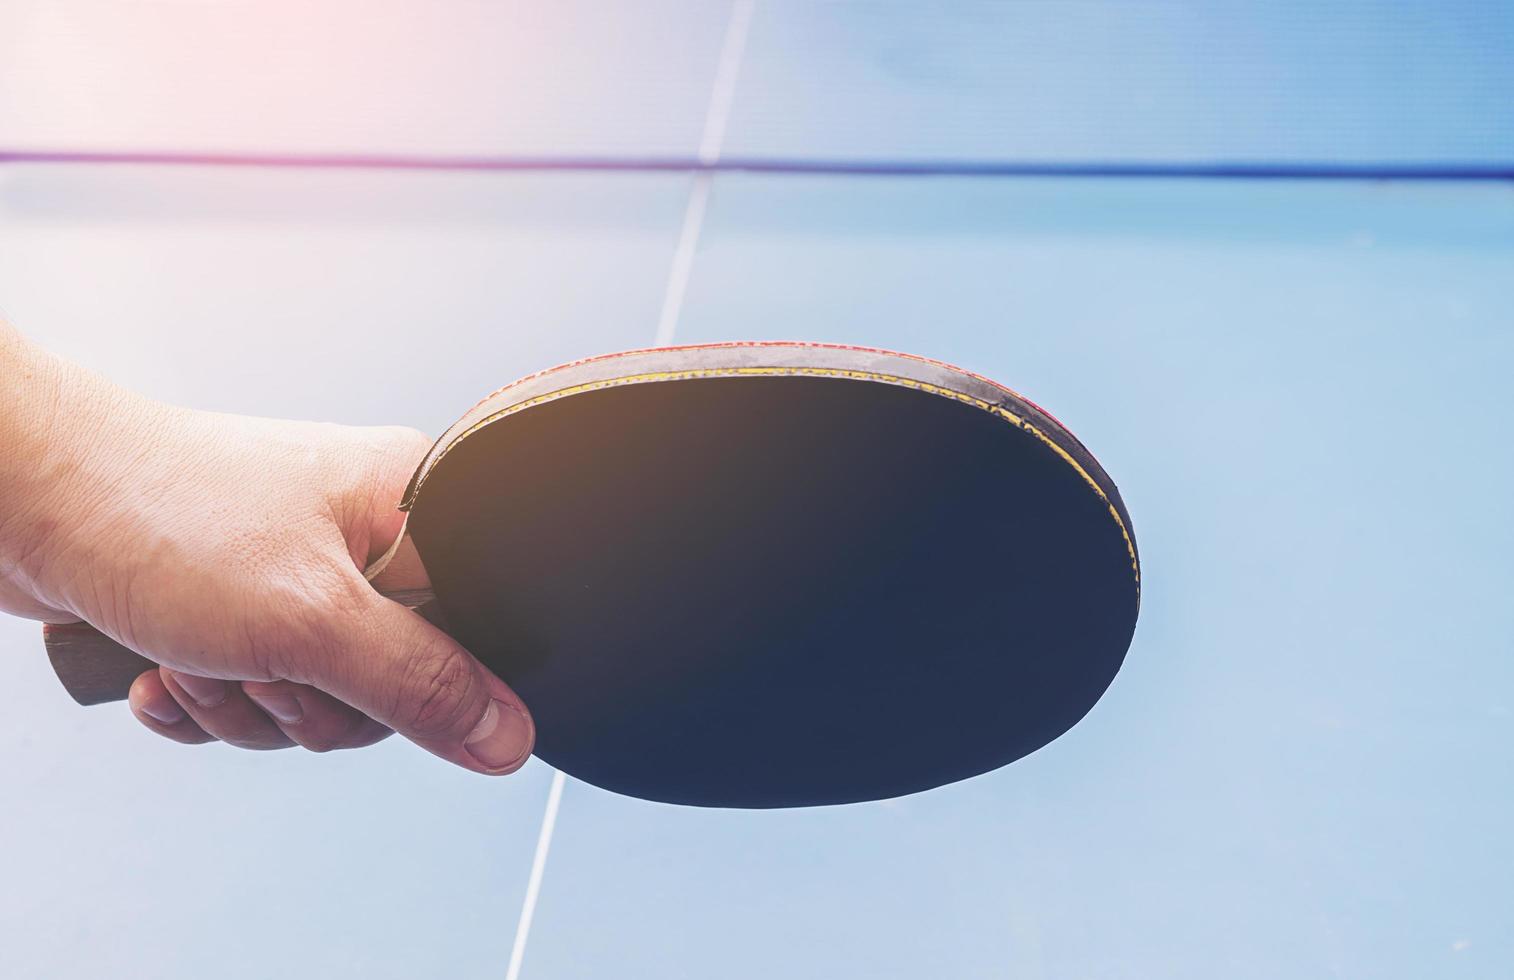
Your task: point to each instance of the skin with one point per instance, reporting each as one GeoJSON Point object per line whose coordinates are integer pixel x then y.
{"type": "Point", "coordinates": [230, 550]}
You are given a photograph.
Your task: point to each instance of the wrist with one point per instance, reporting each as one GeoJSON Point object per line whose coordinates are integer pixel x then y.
{"type": "Point", "coordinates": [57, 459]}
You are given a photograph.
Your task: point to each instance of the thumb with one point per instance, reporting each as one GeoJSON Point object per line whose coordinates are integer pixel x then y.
{"type": "Point", "coordinates": [398, 669]}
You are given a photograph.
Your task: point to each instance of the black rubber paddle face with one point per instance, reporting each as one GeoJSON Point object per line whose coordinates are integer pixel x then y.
{"type": "Point", "coordinates": [779, 591]}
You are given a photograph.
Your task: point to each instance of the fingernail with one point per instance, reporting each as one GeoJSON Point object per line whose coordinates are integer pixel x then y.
{"type": "Point", "coordinates": [207, 692]}
{"type": "Point", "coordinates": [165, 712]}
{"type": "Point", "coordinates": [282, 707]}
{"type": "Point", "coordinates": [502, 737]}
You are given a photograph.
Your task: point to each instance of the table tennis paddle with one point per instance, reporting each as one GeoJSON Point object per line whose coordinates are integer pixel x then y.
{"type": "Point", "coordinates": [764, 574]}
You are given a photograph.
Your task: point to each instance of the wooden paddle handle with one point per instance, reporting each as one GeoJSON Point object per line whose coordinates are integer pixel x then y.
{"type": "Point", "coordinates": [95, 669]}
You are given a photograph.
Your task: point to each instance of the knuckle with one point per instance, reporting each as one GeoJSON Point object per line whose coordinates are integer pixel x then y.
{"type": "Point", "coordinates": [320, 743]}
{"type": "Point", "coordinates": [437, 689]}
{"type": "Point", "coordinates": [254, 733]}
{"type": "Point", "coordinates": [384, 455]}
{"type": "Point", "coordinates": [274, 648]}
{"type": "Point", "coordinates": [256, 744]}
{"type": "Point", "coordinates": [328, 737]}
{"type": "Point", "coordinates": [410, 443]}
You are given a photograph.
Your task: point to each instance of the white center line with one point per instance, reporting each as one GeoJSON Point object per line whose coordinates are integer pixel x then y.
{"type": "Point", "coordinates": [715, 118]}
{"type": "Point", "coordinates": [538, 868]}
{"type": "Point", "coordinates": [724, 89]}
{"type": "Point", "coordinates": [718, 113]}
{"type": "Point", "coordinates": [683, 261]}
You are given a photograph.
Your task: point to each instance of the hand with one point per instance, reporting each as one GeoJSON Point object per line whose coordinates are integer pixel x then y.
{"type": "Point", "coordinates": [230, 550]}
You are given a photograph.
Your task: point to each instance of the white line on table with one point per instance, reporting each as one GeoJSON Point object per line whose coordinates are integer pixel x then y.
{"type": "Point", "coordinates": [719, 112]}
{"type": "Point", "coordinates": [724, 90]}
{"type": "Point", "coordinates": [538, 868]}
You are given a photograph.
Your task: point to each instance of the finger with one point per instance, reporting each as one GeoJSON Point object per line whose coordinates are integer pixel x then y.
{"type": "Point", "coordinates": [391, 664]}
{"type": "Point", "coordinates": [312, 718]}
{"type": "Point", "coordinates": [154, 707]}
{"type": "Point", "coordinates": [370, 732]}
{"type": "Point", "coordinates": [222, 709]}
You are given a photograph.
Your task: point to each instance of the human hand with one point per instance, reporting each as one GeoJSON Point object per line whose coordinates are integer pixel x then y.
{"type": "Point", "coordinates": [230, 550]}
